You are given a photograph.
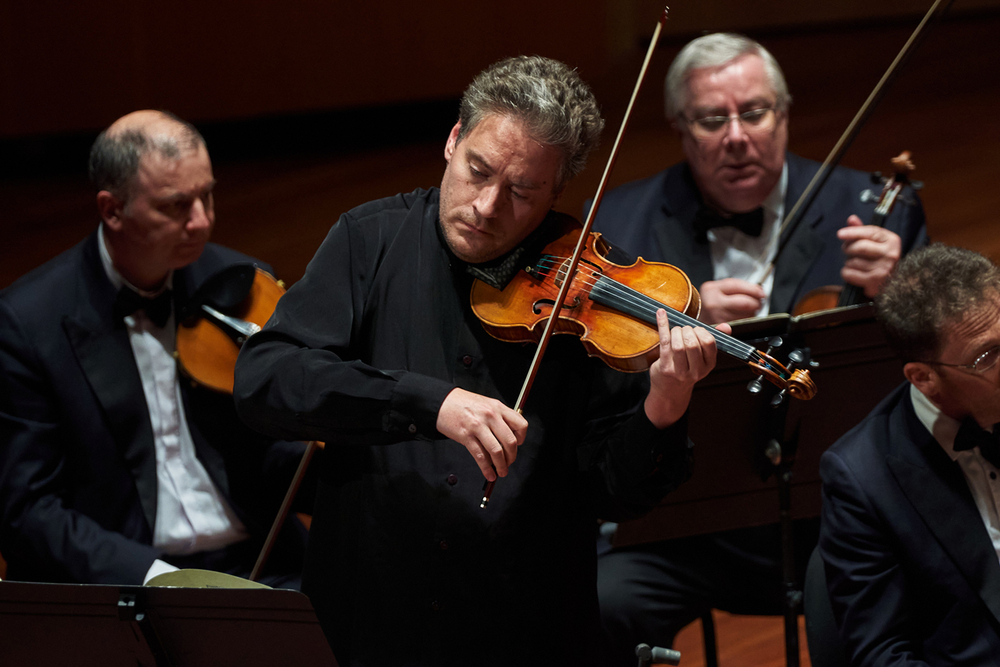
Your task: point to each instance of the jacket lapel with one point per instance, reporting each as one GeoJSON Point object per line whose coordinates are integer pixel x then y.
{"type": "Point", "coordinates": [675, 236]}
{"type": "Point", "coordinates": [105, 355]}
{"type": "Point", "coordinates": [803, 244]}
{"type": "Point", "coordinates": [937, 489]}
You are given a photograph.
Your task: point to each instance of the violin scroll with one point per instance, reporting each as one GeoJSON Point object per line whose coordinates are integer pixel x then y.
{"type": "Point", "coordinates": [798, 383]}
{"type": "Point", "coordinates": [801, 385]}
{"type": "Point", "coordinates": [901, 164]}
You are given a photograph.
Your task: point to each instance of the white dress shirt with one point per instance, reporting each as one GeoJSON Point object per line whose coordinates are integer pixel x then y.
{"type": "Point", "coordinates": [980, 474]}
{"type": "Point", "coordinates": [738, 255]}
{"type": "Point", "coordinates": [191, 514]}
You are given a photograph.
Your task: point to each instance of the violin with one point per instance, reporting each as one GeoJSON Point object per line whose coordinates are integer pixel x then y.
{"type": "Point", "coordinates": [837, 296]}
{"type": "Point", "coordinates": [612, 308]}
{"type": "Point", "coordinates": [230, 307]}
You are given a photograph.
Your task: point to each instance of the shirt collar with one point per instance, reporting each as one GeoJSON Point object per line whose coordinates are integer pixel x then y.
{"type": "Point", "coordinates": [117, 279]}
{"type": "Point", "coordinates": [776, 200]}
{"type": "Point", "coordinates": [940, 425]}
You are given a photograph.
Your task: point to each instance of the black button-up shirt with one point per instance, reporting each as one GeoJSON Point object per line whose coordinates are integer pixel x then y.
{"type": "Point", "coordinates": [404, 567]}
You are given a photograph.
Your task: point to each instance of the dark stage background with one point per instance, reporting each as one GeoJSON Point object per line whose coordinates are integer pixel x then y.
{"type": "Point", "coordinates": [313, 107]}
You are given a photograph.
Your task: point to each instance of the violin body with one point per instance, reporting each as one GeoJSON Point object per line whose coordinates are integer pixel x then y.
{"type": "Point", "coordinates": [612, 309]}
{"type": "Point", "coordinates": [207, 351]}
{"type": "Point", "coordinates": [822, 298]}
{"type": "Point", "coordinates": [624, 341]}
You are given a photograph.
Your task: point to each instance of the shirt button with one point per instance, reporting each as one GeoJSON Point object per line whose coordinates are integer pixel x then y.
{"type": "Point", "coordinates": [467, 360]}
{"type": "Point", "coordinates": [452, 479]}
{"type": "Point", "coordinates": [436, 606]}
{"type": "Point", "coordinates": [443, 544]}
{"type": "Point", "coordinates": [412, 428]}
{"type": "Point", "coordinates": [993, 475]}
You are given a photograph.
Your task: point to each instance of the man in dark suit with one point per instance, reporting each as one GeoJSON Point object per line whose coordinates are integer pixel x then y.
{"type": "Point", "coordinates": [377, 351]}
{"type": "Point", "coordinates": [717, 217]}
{"type": "Point", "coordinates": [112, 467]}
{"type": "Point", "coordinates": [910, 531]}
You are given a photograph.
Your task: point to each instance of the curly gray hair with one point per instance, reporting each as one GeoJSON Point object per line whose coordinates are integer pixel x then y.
{"type": "Point", "coordinates": [556, 106]}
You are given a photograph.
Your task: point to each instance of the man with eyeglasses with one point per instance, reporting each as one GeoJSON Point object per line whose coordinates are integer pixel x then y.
{"type": "Point", "coordinates": [910, 533]}
{"type": "Point", "coordinates": [717, 217]}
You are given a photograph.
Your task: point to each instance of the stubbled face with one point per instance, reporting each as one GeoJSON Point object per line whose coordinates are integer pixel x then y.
{"type": "Point", "coordinates": [737, 170]}
{"type": "Point", "coordinates": [170, 211]}
{"type": "Point", "coordinates": [962, 392]}
{"type": "Point", "coordinates": [497, 188]}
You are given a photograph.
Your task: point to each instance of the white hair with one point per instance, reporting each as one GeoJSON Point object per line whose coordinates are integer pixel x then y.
{"type": "Point", "coordinates": [716, 50]}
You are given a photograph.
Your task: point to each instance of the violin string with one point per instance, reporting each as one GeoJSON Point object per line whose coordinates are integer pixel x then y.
{"type": "Point", "coordinates": [648, 305]}
{"type": "Point", "coordinates": [642, 302]}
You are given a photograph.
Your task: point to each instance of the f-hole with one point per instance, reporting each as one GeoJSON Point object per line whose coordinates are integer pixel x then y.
{"type": "Point", "coordinates": [537, 306]}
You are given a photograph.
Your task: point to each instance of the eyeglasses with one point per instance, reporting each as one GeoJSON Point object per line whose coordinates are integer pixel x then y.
{"type": "Point", "coordinates": [753, 121]}
{"type": "Point", "coordinates": [983, 362]}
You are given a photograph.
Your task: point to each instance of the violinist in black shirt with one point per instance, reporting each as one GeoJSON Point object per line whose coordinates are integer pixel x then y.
{"type": "Point", "coordinates": [376, 352]}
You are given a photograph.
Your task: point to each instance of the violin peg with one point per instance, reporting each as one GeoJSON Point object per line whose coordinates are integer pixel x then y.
{"type": "Point", "coordinates": [755, 386]}
{"type": "Point", "coordinates": [867, 196]}
{"type": "Point", "coordinates": [773, 343]}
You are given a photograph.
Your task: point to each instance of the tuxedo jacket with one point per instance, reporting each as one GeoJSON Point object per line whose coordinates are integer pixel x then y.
{"type": "Point", "coordinates": [654, 219]}
{"type": "Point", "coordinates": [78, 485]}
{"type": "Point", "coordinates": [912, 574]}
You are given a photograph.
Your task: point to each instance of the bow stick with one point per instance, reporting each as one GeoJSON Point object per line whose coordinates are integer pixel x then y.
{"type": "Point", "coordinates": [798, 211]}
{"type": "Point", "coordinates": [581, 243]}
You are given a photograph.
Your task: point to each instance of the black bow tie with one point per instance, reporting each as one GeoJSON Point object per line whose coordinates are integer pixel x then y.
{"type": "Point", "coordinates": [157, 309]}
{"type": "Point", "coordinates": [970, 435]}
{"type": "Point", "coordinates": [750, 223]}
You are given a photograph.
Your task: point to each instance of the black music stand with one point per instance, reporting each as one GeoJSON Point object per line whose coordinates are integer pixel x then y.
{"type": "Point", "coordinates": [745, 449]}
{"type": "Point", "coordinates": [107, 626]}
